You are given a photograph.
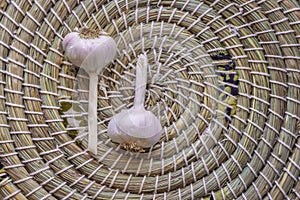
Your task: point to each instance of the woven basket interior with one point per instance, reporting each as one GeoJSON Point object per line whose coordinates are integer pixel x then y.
{"type": "Point", "coordinates": [224, 80]}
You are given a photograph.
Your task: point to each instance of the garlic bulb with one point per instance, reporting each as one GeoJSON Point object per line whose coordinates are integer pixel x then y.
{"type": "Point", "coordinates": [91, 50]}
{"type": "Point", "coordinates": [136, 127]}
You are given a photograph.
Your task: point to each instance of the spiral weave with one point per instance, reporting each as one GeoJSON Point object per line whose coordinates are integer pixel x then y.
{"type": "Point", "coordinates": [224, 81]}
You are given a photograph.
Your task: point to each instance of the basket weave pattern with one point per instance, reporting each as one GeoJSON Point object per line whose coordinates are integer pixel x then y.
{"type": "Point", "coordinates": [224, 82]}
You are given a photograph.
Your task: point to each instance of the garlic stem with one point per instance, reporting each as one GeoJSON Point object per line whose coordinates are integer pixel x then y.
{"type": "Point", "coordinates": [141, 82]}
{"type": "Point", "coordinates": [92, 113]}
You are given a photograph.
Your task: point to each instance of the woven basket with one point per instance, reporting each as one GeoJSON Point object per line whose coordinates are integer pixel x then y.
{"type": "Point", "coordinates": [224, 82]}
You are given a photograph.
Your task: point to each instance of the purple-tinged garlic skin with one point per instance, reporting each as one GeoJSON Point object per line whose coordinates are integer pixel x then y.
{"type": "Point", "coordinates": [92, 54]}
{"type": "Point", "coordinates": [136, 126]}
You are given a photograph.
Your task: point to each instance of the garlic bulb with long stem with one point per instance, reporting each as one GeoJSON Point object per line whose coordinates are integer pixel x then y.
{"type": "Point", "coordinates": [136, 127]}
{"type": "Point", "coordinates": [90, 50]}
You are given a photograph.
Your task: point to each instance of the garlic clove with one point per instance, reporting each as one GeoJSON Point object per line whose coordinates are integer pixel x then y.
{"type": "Point", "coordinates": [144, 127]}
{"type": "Point", "coordinates": [114, 132]}
{"type": "Point", "coordinates": [142, 124]}
{"type": "Point", "coordinates": [69, 39]}
{"type": "Point", "coordinates": [100, 53]}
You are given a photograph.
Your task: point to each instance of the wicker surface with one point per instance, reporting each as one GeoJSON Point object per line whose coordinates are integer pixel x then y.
{"type": "Point", "coordinates": [224, 81]}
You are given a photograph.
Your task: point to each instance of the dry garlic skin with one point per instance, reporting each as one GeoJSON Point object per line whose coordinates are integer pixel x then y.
{"type": "Point", "coordinates": [92, 54]}
{"type": "Point", "coordinates": [140, 127]}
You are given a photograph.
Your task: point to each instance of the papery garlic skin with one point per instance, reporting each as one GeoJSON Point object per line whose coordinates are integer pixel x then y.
{"type": "Point", "coordinates": [136, 125]}
{"type": "Point", "coordinates": [92, 54]}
